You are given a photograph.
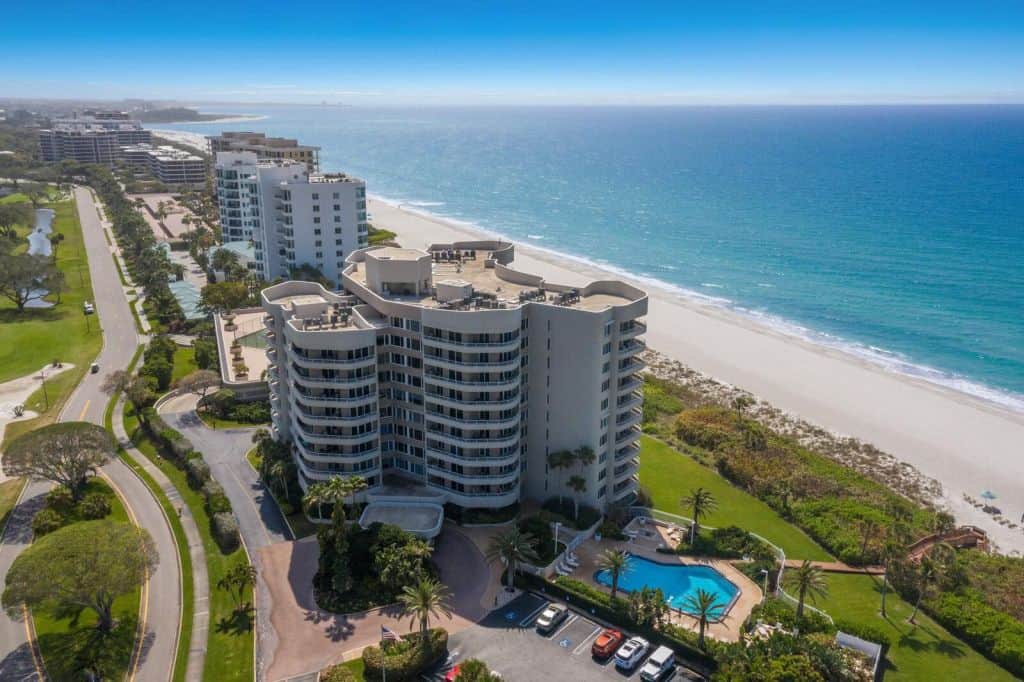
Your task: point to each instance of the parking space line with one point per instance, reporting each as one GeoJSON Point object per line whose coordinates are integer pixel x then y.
{"type": "Point", "coordinates": [586, 640]}
{"type": "Point", "coordinates": [568, 621]}
{"type": "Point", "coordinates": [523, 623]}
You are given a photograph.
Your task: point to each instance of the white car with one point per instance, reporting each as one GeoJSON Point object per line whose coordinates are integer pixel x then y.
{"type": "Point", "coordinates": [631, 653]}
{"type": "Point", "coordinates": [88, 308]}
{"type": "Point", "coordinates": [660, 662]}
{"type": "Point", "coordinates": [552, 616]}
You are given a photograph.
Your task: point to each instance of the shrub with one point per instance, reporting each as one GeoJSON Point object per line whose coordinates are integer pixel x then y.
{"type": "Point", "coordinates": [993, 633]}
{"type": "Point", "coordinates": [773, 610]}
{"type": "Point", "coordinates": [225, 532]}
{"type": "Point", "coordinates": [731, 542]}
{"type": "Point", "coordinates": [60, 500]}
{"type": "Point", "coordinates": [406, 658]}
{"type": "Point", "coordinates": [562, 511]}
{"type": "Point", "coordinates": [251, 413]}
{"type": "Point", "coordinates": [198, 472]}
{"type": "Point", "coordinates": [94, 506]}
{"type": "Point", "coordinates": [866, 631]}
{"type": "Point", "coordinates": [337, 673]}
{"type": "Point", "coordinates": [46, 521]}
{"type": "Point", "coordinates": [611, 531]}
{"type": "Point", "coordinates": [160, 369]}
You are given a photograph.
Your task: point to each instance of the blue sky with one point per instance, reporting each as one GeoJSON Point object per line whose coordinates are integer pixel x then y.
{"type": "Point", "coordinates": [518, 52]}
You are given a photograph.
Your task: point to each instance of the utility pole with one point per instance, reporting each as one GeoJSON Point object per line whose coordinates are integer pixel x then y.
{"type": "Point", "coordinates": [42, 378]}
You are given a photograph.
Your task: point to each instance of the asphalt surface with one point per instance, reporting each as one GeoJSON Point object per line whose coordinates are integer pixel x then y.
{"type": "Point", "coordinates": [161, 606]}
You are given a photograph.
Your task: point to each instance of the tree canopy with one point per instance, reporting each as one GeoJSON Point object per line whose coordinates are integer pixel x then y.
{"type": "Point", "coordinates": [66, 453]}
{"type": "Point", "coordinates": [25, 277]}
{"type": "Point", "coordinates": [224, 296]}
{"type": "Point", "coordinates": [85, 565]}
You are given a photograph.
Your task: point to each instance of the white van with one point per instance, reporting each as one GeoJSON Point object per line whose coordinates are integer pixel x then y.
{"type": "Point", "coordinates": [660, 662]}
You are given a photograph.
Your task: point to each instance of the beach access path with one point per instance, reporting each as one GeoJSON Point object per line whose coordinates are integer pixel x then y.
{"type": "Point", "coordinates": [161, 598]}
{"type": "Point", "coordinates": [966, 444]}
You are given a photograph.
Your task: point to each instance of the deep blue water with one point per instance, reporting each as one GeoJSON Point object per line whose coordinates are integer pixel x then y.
{"type": "Point", "coordinates": [896, 232]}
{"type": "Point", "coordinates": [676, 581]}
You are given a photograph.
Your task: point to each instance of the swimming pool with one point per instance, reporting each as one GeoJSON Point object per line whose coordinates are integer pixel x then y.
{"type": "Point", "coordinates": [676, 581]}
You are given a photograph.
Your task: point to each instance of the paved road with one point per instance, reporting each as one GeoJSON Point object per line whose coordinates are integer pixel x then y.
{"type": "Point", "coordinates": [259, 519]}
{"type": "Point", "coordinates": [161, 610]}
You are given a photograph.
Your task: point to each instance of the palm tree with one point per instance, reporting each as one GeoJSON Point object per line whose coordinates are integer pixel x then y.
{"type": "Point", "coordinates": [578, 484]}
{"type": "Point", "coordinates": [701, 606]}
{"type": "Point", "coordinates": [928, 574]}
{"type": "Point", "coordinates": [562, 459]}
{"type": "Point", "coordinates": [278, 470]}
{"type": "Point", "coordinates": [701, 503]}
{"type": "Point", "coordinates": [511, 548]}
{"type": "Point", "coordinates": [316, 495]}
{"type": "Point", "coordinates": [356, 485]}
{"type": "Point", "coordinates": [584, 455]}
{"type": "Point", "coordinates": [810, 581]}
{"type": "Point", "coordinates": [616, 562]}
{"type": "Point", "coordinates": [428, 598]}
{"type": "Point", "coordinates": [892, 550]}
{"type": "Point", "coordinates": [336, 491]}
{"type": "Point", "coordinates": [869, 529]}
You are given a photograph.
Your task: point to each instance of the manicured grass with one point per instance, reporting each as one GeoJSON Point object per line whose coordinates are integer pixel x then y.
{"type": "Point", "coordinates": [184, 362]}
{"type": "Point", "coordinates": [357, 667]}
{"type": "Point", "coordinates": [218, 423]}
{"type": "Point", "coordinates": [229, 648]}
{"type": "Point", "coordinates": [33, 338]}
{"type": "Point", "coordinates": [9, 492]}
{"type": "Point", "coordinates": [924, 652]}
{"type": "Point", "coordinates": [61, 636]}
{"type": "Point", "coordinates": [669, 475]}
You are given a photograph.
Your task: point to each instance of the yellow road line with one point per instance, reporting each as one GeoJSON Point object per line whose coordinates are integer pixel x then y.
{"type": "Point", "coordinates": [144, 596]}
{"type": "Point", "coordinates": [84, 408]}
{"type": "Point", "coordinates": [32, 644]}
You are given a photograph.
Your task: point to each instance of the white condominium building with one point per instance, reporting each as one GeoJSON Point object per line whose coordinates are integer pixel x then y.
{"type": "Point", "coordinates": [293, 218]}
{"type": "Point", "coordinates": [167, 164]}
{"type": "Point", "coordinates": [448, 373]}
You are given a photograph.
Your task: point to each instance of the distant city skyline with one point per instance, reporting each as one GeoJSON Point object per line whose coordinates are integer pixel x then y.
{"type": "Point", "coordinates": [529, 53]}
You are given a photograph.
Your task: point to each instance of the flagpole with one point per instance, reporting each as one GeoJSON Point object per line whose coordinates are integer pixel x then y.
{"type": "Point", "coordinates": [383, 658]}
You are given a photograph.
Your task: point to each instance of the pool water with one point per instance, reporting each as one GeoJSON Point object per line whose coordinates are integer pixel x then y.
{"type": "Point", "coordinates": [676, 581]}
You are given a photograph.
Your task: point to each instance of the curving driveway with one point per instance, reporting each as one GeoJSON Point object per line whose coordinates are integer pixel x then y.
{"type": "Point", "coordinates": [161, 609]}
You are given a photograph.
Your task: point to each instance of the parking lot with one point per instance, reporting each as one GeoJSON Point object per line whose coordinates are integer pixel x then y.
{"type": "Point", "coordinates": [507, 641]}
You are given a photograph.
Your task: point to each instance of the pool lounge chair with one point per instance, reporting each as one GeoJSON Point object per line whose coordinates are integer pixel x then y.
{"type": "Point", "coordinates": [571, 561]}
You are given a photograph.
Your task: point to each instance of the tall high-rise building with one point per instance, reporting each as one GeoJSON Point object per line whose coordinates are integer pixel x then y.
{"type": "Point", "coordinates": [267, 148]}
{"type": "Point", "coordinates": [447, 373]}
{"type": "Point", "coordinates": [167, 164]}
{"type": "Point", "coordinates": [91, 137]}
{"type": "Point", "coordinates": [292, 217]}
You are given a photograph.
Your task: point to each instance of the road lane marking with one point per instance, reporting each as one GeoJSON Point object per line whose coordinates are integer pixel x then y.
{"type": "Point", "coordinates": [84, 408]}
{"type": "Point", "coordinates": [32, 644]}
{"type": "Point", "coordinates": [586, 640]}
{"type": "Point", "coordinates": [523, 623]}
{"type": "Point", "coordinates": [568, 621]}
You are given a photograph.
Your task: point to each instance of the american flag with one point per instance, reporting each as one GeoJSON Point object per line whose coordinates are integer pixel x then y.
{"type": "Point", "coordinates": [387, 634]}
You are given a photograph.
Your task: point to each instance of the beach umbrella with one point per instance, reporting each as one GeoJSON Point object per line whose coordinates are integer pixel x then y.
{"type": "Point", "coordinates": [988, 495]}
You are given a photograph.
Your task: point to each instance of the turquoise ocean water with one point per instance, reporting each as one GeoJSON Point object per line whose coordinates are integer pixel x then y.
{"type": "Point", "coordinates": [896, 233]}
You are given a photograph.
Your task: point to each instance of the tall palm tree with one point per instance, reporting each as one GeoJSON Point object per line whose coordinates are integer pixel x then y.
{"type": "Point", "coordinates": [336, 491]}
{"type": "Point", "coordinates": [578, 485]}
{"type": "Point", "coordinates": [930, 572]}
{"type": "Point", "coordinates": [584, 456]}
{"type": "Point", "coordinates": [316, 495]}
{"type": "Point", "coordinates": [702, 606]}
{"type": "Point", "coordinates": [278, 470]}
{"type": "Point", "coordinates": [869, 530]}
{"type": "Point", "coordinates": [561, 459]}
{"type": "Point", "coordinates": [892, 551]}
{"type": "Point", "coordinates": [701, 503]}
{"type": "Point", "coordinates": [810, 581]}
{"type": "Point", "coordinates": [428, 598]}
{"type": "Point", "coordinates": [616, 562]}
{"type": "Point", "coordinates": [356, 485]}
{"type": "Point", "coordinates": [512, 547]}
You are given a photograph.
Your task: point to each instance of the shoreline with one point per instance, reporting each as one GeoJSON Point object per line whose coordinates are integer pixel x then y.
{"type": "Point", "coordinates": [965, 443]}
{"type": "Point", "coordinates": [234, 118]}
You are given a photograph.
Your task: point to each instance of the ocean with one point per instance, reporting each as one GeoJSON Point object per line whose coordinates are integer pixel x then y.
{"type": "Point", "coordinates": [894, 233]}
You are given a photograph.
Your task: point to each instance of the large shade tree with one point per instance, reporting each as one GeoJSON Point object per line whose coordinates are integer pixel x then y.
{"type": "Point", "coordinates": [67, 454]}
{"type": "Point", "coordinates": [85, 565]}
{"type": "Point", "coordinates": [25, 278]}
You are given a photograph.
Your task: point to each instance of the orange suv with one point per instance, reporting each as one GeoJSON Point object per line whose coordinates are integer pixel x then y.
{"type": "Point", "coordinates": [606, 643]}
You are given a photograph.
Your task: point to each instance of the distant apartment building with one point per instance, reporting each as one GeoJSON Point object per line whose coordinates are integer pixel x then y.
{"type": "Point", "coordinates": [444, 374]}
{"type": "Point", "coordinates": [91, 137]}
{"type": "Point", "coordinates": [293, 218]}
{"type": "Point", "coordinates": [267, 148]}
{"type": "Point", "coordinates": [167, 164]}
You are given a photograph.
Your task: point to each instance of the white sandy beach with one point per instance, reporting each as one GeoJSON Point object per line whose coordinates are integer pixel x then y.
{"type": "Point", "coordinates": [966, 444]}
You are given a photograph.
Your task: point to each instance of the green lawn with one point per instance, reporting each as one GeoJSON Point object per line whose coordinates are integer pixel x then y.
{"type": "Point", "coordinates": [218, 423]}
{"type": "Point", "coordinates": [229, 647]}
{"type": "Point", "coordinates": [669, 475]}
{"type": "Point", "coordinates": [925, 652]}
{"type": "Point", "coordinates": [184, 362]}
{"type": "Point", "coordinates": [60, 636]}
{"type": "Point", "coordinates": [9, 492]}
{"type": "Point", "coordinates": [32, 338]}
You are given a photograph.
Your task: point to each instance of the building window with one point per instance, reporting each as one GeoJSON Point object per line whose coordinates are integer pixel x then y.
{"type": "Point", "coordinates": [315, 196]}
{"type": "Point", "coordinates": [336, 195]}
{"type": "Point", "coordinates": [316, 208]}
{"type": "Point", "coordinates": [337, 218]}
{"type": "Point", "coordinates": [316, 220]}
{"type": "Point", "coordinates": [337, 207]}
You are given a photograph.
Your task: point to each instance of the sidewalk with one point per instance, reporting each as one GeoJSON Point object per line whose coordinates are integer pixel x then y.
{"type": "Point", "coordinates": [200, 578]}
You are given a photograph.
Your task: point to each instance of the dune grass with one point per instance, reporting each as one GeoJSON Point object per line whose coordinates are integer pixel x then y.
{"type": "Point", "coordinates": [669, 475]}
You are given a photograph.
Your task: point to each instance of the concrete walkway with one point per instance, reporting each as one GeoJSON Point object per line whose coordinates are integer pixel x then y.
{"type": "Point", "coordinates": [16, 391]}
{"type": "Point", "coordinates": [200, 577]}
{"type": "Point", "coordinates": [837, 567]}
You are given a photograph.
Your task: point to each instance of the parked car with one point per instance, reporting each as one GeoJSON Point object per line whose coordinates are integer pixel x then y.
{"type": "Point", "coordinates": [452, 674]}
{"type": "Point", "coordinates": [631, 653]}
{"type": "Point", "coordinates": [94, 368]}
{"type": "Point", "coordinates": [660, 662]}
{"type": "Point", "coordinates": [606, 643]}
{"type": "Point", "coordinates": [553, 615]}
{"type": "Point", "coordinates": [88, 308]}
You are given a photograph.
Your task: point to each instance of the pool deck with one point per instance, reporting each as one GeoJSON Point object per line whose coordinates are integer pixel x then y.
{"type": "Point", "coordinates": [727, 629]}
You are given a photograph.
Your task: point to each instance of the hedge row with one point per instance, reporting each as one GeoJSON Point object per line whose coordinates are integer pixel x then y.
{"type": "Point", "coordinates": [407, 658]}
{"type": "Point", "coordinates": [995, 634]}
{"type": "Point", "coordinates": [183, 454]}
{"type": "Point", "coordinates": [600, 604]}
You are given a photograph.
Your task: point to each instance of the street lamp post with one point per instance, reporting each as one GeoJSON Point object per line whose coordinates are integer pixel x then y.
{"type": "Point", "coordinates": [558, 526]}
{"type": "Point", "coordinates": [42, 378]}
{"type": "Point", "coordinates": [764, 593]}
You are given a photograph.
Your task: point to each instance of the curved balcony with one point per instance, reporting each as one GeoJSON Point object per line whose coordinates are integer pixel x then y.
{"type": "Point", "coordinates": [496, 423]}
{"type": "Point", "coordinates": [337, 382]}
{"type": "Point", "coordinates": [635, 400]}
{"type": "Point", "coordinates": [369, 398]}
{"type": "Point", "coordinates": [485, 384]}
{"type": "Point", "coordinates": [332, 439]}
{"type": "Point", "coordinates": [632, 434]}
{"type": "Point", "coordinates": [475, 460]}
{"type": "Point", "coordinates": [485, 365]}
{"type": "Point", "coordinates": [632, 347]}
{"type": "Point", "coordinates": [474, 479]}
{"type": "Point", "coordinates": [332, 420]}
{"type": "Point", "coordinates": [629, 418]}
{"type": "Point", "coordinates": [478, 499]}
{"type": "Point", "coordinates": [336, 458]}
{"type": "Point", "coordinates": [624, 471]}
{"type": "Point", "coordinates": [637, 329]}
{"type": "Point", "coordinates": [632, 367]}
{"type": "Point", "coordinates": [504, 403]}
{"type": "Point", "coordinates": [317, 363]}
{"type": "Point", "coordinates": [633, 384]}
{"type": "Point", "coordinates": [627, 452]}
{"type": "Point", "coordinates": [496, 442]}
{"type": "Point", "coordinates": [448, 344]}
